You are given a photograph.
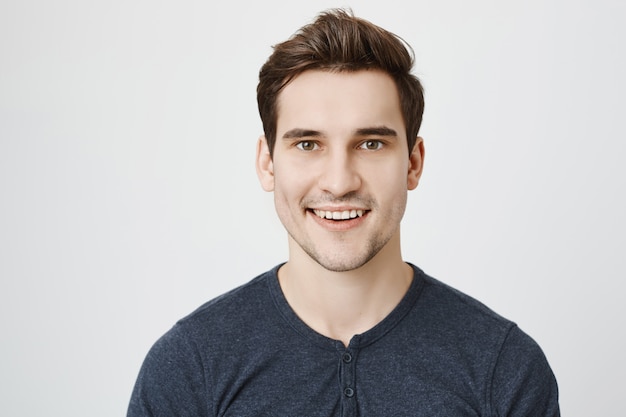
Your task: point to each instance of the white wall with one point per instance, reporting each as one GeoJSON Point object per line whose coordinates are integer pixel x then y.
{"type": "Point", "coordinates": [128, 195]}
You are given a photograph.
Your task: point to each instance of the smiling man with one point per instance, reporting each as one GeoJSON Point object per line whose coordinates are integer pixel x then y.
{"type": "Point", "coordinates": [345, 327]}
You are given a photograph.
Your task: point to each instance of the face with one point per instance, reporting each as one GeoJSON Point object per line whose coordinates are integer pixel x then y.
{"type": "Point", "coordinates": [341, 167]}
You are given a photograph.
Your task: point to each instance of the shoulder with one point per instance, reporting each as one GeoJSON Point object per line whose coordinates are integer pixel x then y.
{"type": "Point", "coordinates": [216, 325]}
{"type": "Point", "coordinates": [247, 296]}
{"type": "Point", "coordinates": [465, 321]}
{"type": "Point", "coordinates": [230, 316]}
{"type": "Point", "coordinates": [453, 311]}
{"type": "Point", "coordinates": [517, 378]}
{"type": "Point", "coordinates": [179, 363]}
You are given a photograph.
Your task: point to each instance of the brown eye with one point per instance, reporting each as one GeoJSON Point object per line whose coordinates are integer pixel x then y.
{"type": "Point", "coordinates": [372, 145]}
{"type": "Point", "coordinates": [306, 145]}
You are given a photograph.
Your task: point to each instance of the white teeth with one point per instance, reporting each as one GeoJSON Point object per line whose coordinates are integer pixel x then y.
{"type": "Point", "coordinates": [339, 215]}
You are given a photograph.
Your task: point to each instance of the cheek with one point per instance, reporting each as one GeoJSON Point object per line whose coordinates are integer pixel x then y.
{"type": "Point", "coordinates": [289, 190]}
{"type": "Point", "coordinates": [389, 179]}
{"type": "Point", "coordinates": [293, 177]}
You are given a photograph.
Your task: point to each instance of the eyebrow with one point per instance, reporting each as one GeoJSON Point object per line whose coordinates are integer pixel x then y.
{"type": "Point", "coordinates": [298, 133]}
{"type": "Point", "coordinates": [377, 131]}
{"type": "Point", "coordinates": [301, 133]}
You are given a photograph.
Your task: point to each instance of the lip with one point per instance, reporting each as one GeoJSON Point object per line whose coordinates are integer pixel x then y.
{"type": "Point", "coordinates": [338, 225]}
{"type": "Point", "coordinates": [337, 208]}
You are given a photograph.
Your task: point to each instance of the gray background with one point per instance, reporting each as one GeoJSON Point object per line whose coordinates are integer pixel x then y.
{"type": "Point", "coordinates": [128, 194]}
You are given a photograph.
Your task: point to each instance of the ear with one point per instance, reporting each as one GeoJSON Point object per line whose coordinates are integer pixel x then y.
{"type": "Point", "coordinates": [264, 165]}
{"type": "Point", "coordinates": [416, 163]}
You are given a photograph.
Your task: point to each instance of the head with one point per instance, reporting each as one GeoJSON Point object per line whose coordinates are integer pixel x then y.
{"type": "Point", "coordinates": [339, 42]}
{"type": "Point", "coordinates": [341, 113]}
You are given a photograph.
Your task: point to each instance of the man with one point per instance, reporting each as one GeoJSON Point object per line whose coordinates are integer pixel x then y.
{"type": "Point", "coordinates": [345, 327]}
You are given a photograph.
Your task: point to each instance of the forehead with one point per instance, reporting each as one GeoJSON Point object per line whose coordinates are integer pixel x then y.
{"type": "Point", "coordinates": [326, 100]}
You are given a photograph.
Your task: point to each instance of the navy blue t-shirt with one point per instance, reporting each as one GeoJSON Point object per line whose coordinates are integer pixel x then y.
{"type": "Point", "coordinates": [438, 353]}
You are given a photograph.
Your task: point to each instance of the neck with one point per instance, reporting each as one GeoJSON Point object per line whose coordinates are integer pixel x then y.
{"type": "Point", "coordinates": [342, 304]}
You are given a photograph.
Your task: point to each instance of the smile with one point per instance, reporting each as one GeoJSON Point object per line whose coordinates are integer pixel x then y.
{"type": "Point", "coordinates": [339, 215]}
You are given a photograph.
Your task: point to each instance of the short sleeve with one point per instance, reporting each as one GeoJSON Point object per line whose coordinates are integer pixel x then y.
{"type": "Point", "coordinates": [171, 380]}
{"type": "Point", "coordinates": [523, 384]}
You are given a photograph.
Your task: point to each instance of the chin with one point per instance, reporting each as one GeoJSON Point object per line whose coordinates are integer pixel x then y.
{"type": "Point", "coordinates": [340, 267]}
{"type": "Point", "coordinates": [343, 264]}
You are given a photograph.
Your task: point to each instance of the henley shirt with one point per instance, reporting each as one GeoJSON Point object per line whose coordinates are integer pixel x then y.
{"type": "Point", "coordinates": [438, 353]}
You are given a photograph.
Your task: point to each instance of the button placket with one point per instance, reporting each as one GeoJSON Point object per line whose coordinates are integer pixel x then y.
{"type": "Point", "coordinates": [347, 365]}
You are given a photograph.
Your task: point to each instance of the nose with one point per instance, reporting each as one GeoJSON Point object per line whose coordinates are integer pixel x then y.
{"type": "Point", "coordinates": [339, 174]}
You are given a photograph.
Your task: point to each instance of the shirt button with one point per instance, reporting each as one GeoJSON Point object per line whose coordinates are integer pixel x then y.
{"type": "Point", "coordinates": [347, 358]}
{"type": "Point", "coordinates": [348, 392]}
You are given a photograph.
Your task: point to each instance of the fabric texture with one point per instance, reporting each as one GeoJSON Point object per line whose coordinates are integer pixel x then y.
{"type": "Point", "coordinates": [438, 353]}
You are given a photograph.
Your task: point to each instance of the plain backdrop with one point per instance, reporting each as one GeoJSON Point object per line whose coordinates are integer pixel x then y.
{"type": "Point", "coordinates": [128, 195]}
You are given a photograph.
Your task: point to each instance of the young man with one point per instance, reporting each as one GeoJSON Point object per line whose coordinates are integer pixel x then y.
{"type": "Point", "coordinates": [345, 327]}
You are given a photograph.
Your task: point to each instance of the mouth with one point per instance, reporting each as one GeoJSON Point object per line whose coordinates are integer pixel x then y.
{"type": "Point", "coordinates": [339, 215]}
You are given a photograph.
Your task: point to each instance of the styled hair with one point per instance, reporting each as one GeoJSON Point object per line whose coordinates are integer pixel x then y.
{"type": "Point", "coordinates": [339, 41]}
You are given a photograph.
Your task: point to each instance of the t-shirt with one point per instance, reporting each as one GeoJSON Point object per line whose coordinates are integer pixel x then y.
{"type": "Point", "coordinates": [438, 353]}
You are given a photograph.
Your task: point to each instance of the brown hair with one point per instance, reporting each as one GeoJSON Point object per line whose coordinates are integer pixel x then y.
{"type": "Point", "coordinates": [338, 41]}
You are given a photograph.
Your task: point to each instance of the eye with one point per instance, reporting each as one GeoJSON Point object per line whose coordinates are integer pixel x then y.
{"type": "Point", "coordinates": [307, 145]}
{"type": "Point", "coordinates": [371, 145]}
